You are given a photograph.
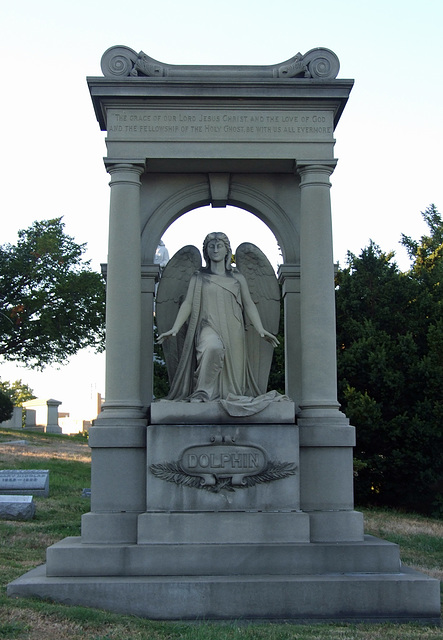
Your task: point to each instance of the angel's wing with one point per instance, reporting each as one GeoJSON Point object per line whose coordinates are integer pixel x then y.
{"type": "Point", "coordinates": [171, 292]}
{"type": "Point", "coordinates": [265, 292]}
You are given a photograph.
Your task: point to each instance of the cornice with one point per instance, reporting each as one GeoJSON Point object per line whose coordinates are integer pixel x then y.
{"type": "Point", "coordinates": [305, 79]}
{"type": "Point", "coordinates": [121, 61]}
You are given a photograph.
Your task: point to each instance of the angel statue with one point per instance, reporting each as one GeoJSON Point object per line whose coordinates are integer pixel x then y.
{"type": "Point", "coordinates": [219, 347]}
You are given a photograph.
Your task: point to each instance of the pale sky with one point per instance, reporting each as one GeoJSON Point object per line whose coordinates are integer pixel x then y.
{"type": "Point", "coordinates": [389, 138]}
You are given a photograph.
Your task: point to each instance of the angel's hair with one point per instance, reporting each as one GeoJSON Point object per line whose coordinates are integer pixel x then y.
{"type": "Point", "coordinates": [218, 235]}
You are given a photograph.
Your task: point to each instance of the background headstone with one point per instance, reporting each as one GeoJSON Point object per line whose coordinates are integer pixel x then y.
{"type": "Point", "coordinates": [15, 421]}
{"type": "Point", "coordinates": [24, 482]}
{"type": "Point", "coordinates": [17, 507]}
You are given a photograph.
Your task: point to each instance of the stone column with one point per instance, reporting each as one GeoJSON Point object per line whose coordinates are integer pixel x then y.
{"type": "Point", "coordinates": [318, 334]}
{"type": "Point", "coordinates": [118, 437]}
{"type": "Point", "coordinates": [326, 439]}
{"type": "Point", "coordinates": [123, 299]}
{"type": "Point", "coordinates": [289, 279]}
{"type": "Point", "coordinates": [150, 274]}
{"type": "Point", "coordinates": [52, 425]}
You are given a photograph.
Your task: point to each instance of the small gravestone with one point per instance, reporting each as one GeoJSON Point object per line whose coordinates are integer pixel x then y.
{"type": "Point", "coordinates": [16, 507]}
{"type": "Point", "coordinates": [24, 482]}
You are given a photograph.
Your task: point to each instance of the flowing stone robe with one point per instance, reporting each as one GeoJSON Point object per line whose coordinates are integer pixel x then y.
{"type": "Point", "coordinates": [214, 363]}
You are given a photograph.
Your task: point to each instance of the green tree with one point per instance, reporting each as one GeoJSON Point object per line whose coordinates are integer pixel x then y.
{"type": "Point", "coordinates": [51, 303]}
{"type": "Point", "coordinates": [18, 391]}
{"type": "Point", "coordinates": [390, 367]}
{"type": "Point", "coordinates": [6, 406]}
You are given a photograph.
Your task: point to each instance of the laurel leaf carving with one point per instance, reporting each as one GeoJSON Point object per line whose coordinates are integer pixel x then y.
{"type": "Point", "coordinates": [173, 472]}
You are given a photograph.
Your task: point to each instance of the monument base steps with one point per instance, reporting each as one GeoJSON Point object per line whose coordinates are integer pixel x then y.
{"type": "Point", "coordinates": [285, 581]}
{"type": "Point", "coordinates": [396, 597]}
{"type": "Point", "coordinates": [70, 557]}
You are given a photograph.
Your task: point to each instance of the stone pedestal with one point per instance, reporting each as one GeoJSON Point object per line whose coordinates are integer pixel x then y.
{"type": "Point", "coordinates": [225, 535]}
{"type": "Point", "coordinates": [362, 581]}
{"type": "Point", "coordinates": [43, 414]}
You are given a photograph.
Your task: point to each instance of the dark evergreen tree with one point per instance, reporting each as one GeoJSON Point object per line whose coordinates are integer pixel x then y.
{"type": "Point", "coordinates": [390, 370]}
{"type": "Point", "coordinates": [6, 406]}
{"type": "Point", "coordinates": [18, 392]}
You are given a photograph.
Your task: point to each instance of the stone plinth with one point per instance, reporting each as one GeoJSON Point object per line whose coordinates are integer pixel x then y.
{"type": "Point", "coordinates": [43, 413]}
{"type": "Point", "coordinates": [222, 468]}
{"type": "Point", "coordinates": [283, 556]}
{"type": "Point", "coordinates": [373, 597]}
{"type": "Point", "coordinates": [168, 412]}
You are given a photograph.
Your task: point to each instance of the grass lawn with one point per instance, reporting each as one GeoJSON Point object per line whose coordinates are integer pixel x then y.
{"type": "Point", "coordinates": [23, 546]}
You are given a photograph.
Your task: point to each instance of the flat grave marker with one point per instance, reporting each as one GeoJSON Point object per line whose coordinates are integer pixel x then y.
{"type": "Point", "coordinates": [24, 482]}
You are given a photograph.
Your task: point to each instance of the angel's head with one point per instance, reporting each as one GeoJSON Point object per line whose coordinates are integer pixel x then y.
{"type": "Point", "coordinates": [218, 236]}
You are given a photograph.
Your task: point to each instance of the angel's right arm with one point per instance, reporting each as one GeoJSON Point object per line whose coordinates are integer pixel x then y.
{"type": "Point", "coordinates": [183, 313]}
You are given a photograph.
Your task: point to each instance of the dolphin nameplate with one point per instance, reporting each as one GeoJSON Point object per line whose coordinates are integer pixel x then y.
{"type": "Point", "coordinates": [220, 461]}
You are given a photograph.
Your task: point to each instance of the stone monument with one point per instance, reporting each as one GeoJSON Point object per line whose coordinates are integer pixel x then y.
{"type": "Point", "coordinates": [222, 502]}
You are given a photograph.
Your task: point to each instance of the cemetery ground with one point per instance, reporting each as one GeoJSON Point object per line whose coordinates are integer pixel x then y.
{"type": "Point", "coordinates": [23, 545]}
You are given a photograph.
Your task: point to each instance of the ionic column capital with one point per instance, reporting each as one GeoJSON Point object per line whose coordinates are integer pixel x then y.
{"type": "Point", "coordinates": [125, 172]}
{"type": "Point", "coordinates": [315, 173]}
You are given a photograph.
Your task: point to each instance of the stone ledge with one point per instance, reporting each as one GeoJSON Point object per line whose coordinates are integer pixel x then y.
{"type": "Point", "coordinates": [103, 435]}
{"type": "Point", "coordinates": [170, 412]}
{"type": "Point", "coordinates": [336, 526]}
{"type": "Point", "coordinates": [70, 557]}
{"type": "Point", "coordinates": [109, 528]}
{"type": "Point", "coordinates": [222, 526]}
{"type": "Point", "coordinates": [400, 597]}
{"type": "Point", "coordinates": [327, 436]}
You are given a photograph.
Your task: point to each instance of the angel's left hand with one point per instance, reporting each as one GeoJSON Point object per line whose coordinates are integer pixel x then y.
{"type": "Point", "coordinates": [269, 337]}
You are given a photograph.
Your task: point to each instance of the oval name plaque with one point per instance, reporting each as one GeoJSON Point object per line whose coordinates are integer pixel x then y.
{"type": "Point", "coordinates": [223, 460]}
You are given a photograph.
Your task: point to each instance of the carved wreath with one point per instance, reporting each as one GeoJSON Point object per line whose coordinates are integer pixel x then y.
{"type": "Point", "coordinates": [173, 472]}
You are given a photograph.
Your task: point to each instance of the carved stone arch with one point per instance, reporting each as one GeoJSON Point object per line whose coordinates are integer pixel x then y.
{"type": "Point", "coordinates": [271, 213]}
{"type": "Point", "coordinates": [241, 194]}
{"type": "Point", "coordinates": [156, 222]}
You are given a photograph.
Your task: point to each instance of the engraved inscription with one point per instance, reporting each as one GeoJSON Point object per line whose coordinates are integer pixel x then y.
{"type": "Point", "coordinates": [223, 460]}
{"type": "Point", "coordinates": [219, 125]}
{"type": "Point", "coordinates": [18, 481]}
{"type": "Point", "coordinates": [222, 467]}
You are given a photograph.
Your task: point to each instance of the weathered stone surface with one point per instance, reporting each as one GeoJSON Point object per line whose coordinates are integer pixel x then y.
{"type": "Point", "coordinates": [195, 468]}
{"type": "Point", "coordinates": [318, 63]}
{"type": "Point", "coordinates": [16, 507]}
{"type": "Point", "coordinates": [167, 412]}
{"type": "Point", "coordinates": [24, 482]}
{"type": "Point", "coordinates": [378, 597]}
{"type": "Point", "coordinates": [222, 357]}
{"type": "Point", "coordinates": [156, 557]}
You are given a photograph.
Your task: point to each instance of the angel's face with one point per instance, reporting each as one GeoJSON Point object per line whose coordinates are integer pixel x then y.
{"type": "Point", "coordinates": [217, 250]}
